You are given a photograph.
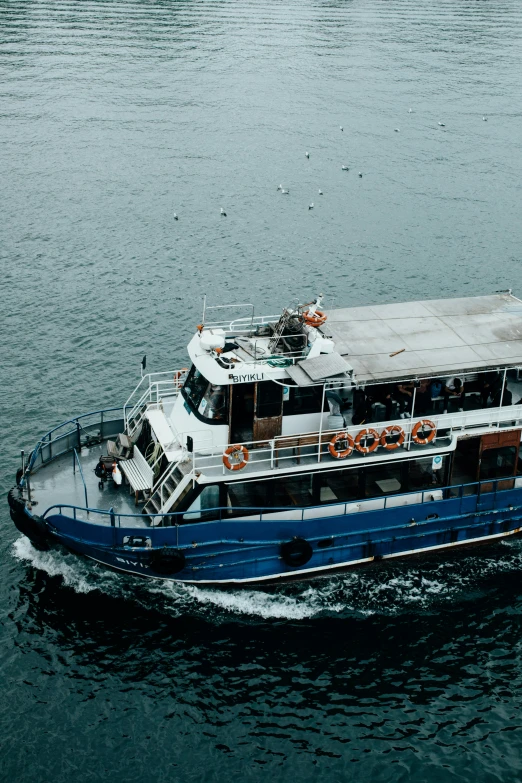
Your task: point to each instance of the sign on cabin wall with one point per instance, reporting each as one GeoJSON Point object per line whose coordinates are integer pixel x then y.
{"type": "Point", "coordinates": [436, 462]}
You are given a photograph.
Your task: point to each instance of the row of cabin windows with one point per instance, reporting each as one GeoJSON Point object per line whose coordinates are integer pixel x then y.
{"type": "Point", "coordinates": [211, 400]}
{"type": "Point", "coordinates": [323, 488]}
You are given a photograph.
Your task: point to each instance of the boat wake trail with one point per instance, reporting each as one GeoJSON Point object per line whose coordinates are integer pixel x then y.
{"type": "Point", "coordinates": [384, 588]}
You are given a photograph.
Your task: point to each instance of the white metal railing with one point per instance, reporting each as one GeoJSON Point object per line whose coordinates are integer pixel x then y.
{"type": "Point", "coordinates": [284, 451]}
{"type": "Point", "coordinates": [153, 387]}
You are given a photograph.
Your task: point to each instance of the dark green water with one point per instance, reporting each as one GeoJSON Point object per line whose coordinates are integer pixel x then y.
{"type": "Point", "coordinates": [114, 115]}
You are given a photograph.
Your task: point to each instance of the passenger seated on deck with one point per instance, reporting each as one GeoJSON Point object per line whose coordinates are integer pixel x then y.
{"type": "Point", "coordinates": [423, 397]}
{"type": "Point", "coordinates": [489, 386]}
{"type": "Point", "coordinates": [381, 393]}
{"type": "Point", "coordinates": [404, 396]}
{"type": "Point", "coordinates": [507, 398]}
{"type": "Point", "coordinates": [454, 388]}
{"type": "Point", "coordinates": [361, 407]}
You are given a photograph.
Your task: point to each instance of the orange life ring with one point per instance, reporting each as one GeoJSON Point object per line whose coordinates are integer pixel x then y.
{"type": "Point", "coordinates": [232, 459]}
{"type": "Point", "coordinates": [420, 426]}
{"type": "Point", "coordinates": [314, 319]}
{"type": "Point", "coordinates": [393, 429]}
{"type": "Point", "coordinates": [341, 437]}
{"type": "Point", "coordinates": [367, 433]}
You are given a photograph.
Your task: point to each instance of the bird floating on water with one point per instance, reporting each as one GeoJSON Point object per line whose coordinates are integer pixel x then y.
{"type": "Point", "coordinates": [320, 192]}
{"type": "Point", "coordinates": [397, 130]}
{"type": "Point", "coordinates": [442, 125]}
{"type": "Point", "coordinates": [175, 216]}
{"type": "Point", "coordinates": [307, 154]}
{"type": "Point", "coordinates": [484, 119]}
{"type": "Point", "coordinates": [311, 206]}
{"type": "Point", "coordinates": [410, 111]}
{"type": "Point", "coordinates": [345, 168]}
{"type": "Point", "coordinates": [360, 173]}
{"type": "Point", "coordinates": [341, 127]}
{"type": "Point", "coordinates": [285, 192]}
{"type": "Point", "coordinates": [280, 187]}
{"type": "Point", "coordinates": [223, 213]}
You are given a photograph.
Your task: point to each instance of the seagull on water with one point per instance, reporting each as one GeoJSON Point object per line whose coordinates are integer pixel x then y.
{"type": "Point", "coordinates": [175, 216]}
{"type": "Point", "coordinates": [345, 168]}
{"type": "Point", "coordinates": [360, 174]}
{"type": "Point", "coordinates": [311, 206]}
{"type": "Point", "coordinates": [285, 192]}
{"type": "Point", "coordinates": [280, 187]}
{"type": "Point", "coordinates": [484, 119]}
{"type": "Point", "coordinates": [410, 111]}
{"type": "Point", "coordinates": [341, 127]}
{"type": "Point", "coordinates": [307, 154]}
{"type": "Point", "coordinates": [320, 192]}
{"type": "Point", "coordinates": [223, 213]}
{"type": "Point", "coordinates": [442, 125]}
{"type": "Point", "coordinates": [397, 130]}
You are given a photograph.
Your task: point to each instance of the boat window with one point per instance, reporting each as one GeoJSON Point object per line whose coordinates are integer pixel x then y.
{"type": "Point", "coordinates": [194, 387]}
{"type": "Point", "coordinates": [496, 463]}
{"type": "Point", "coordinates": [214, 402]}
{"type": "Point", "coordinates": [303, 400]}
{"type": "Point", "coordinates": [209, 400]}
{"type": "Point", "coordinates": [293, 491]}
{"type": "Point", "coordinates": [422, 475]}
{"type": "Point", "coordinates": [342, 485]}
{"type": "Point", "coordinates": [279, 493]}
{"type": "Point", "coordinates": [207, 499]}
{"type": "Point", "coordinates": [268, 400]}
{"type": "Point", "coordinates": [384, 479]}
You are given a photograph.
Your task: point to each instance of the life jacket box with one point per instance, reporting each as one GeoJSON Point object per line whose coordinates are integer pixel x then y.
{"type": "Point", "coordinates": [121, 448]}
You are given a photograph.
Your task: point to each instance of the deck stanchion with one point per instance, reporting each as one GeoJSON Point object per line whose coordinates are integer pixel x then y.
{"type": "Point", "coordinates": [411, 417]}
{"type": "Point", "coordinates": [501, 397]}
{"type": "Point", "coordinates": [321, 423]}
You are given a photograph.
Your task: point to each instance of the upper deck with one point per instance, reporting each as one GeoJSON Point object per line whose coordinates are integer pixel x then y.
{"type": "Point", "coordinates": [370, 344]}
{"type": "Point", "coordinates": [429, 338]}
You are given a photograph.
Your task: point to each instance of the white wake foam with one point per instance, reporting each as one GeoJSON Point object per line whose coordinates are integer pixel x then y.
{"type": "Point", "coordinates": [386, 588]}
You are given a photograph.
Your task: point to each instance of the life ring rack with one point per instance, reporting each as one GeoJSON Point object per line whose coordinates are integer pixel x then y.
{"type": "Point", "coordinates": [314, 319]}
{"type": "Point", "coordinates": [235, 457]}
{"type": "Point", "coordinates": [341, 437]}
{"type": "Point", "coordinates": [369, 432]}
{"type": "Point", "coordinates": [420, 426]}
{"type": "Point", "coordinates": [393, 429]}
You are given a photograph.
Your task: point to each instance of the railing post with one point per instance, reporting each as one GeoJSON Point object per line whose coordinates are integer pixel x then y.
{"type": "Point", "coordinates": [78, 434]}
{"type": "Point", "coordinates": [101, 425]}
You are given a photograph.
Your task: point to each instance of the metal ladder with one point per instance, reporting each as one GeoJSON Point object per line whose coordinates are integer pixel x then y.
{"type": "Point", "coordinates": [279, 329]}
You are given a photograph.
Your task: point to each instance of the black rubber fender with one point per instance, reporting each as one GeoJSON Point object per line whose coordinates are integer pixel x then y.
{"type": "Point", "coordinates": [167, 561]}
{"type": "Point", "coordinates": [296, 553]}
{"type": "Point", "coordinates": [29, 525]}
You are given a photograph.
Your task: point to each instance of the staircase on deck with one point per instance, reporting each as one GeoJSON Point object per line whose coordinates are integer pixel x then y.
{"type": "Point", "coordinates": [172, 488]}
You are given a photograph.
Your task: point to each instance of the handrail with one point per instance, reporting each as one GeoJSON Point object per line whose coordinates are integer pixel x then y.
{"type": "Point", "coordinates": [268, 451]}
{"type": "Point", "coordinates": [459, 489]}
{"type": "Point", "coordinates": [46, 439]}
{"type": "Point", "coordinates": [77, 459]}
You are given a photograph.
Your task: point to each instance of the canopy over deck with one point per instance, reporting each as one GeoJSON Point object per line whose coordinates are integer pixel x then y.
{"type": "Point", "coordinates": [439, 337]}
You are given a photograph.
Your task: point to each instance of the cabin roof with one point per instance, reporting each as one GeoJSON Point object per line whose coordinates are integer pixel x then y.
{"type": "Point", "coordinates": [429, 338]}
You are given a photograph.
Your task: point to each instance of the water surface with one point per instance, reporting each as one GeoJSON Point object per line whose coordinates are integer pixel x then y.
{"type": "Point", "coordinates": [116, 114]}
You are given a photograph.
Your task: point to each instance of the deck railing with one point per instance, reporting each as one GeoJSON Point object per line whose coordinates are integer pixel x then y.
{"type": "Point", "coordinates": [283, 451]}
{"type": "Point", "coordinates": [91, 427]}
{"type": "Point", "coordinates": [153, 388]}
{"type": "Point", "coordinates": [482, 491]}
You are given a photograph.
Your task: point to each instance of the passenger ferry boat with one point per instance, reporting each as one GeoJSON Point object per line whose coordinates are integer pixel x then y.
{"type": "Point", "coordinates": [295, 445]}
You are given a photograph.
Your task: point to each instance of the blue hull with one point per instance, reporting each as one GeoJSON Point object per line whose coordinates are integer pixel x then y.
{"type": "Point", "coordinates": [228, 552]}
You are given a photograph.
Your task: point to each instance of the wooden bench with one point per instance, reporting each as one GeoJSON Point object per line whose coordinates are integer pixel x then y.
{"type": "Point", "coordinates": [296, 443]}
{"type": "Point", "coordinates": [138, 472]}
